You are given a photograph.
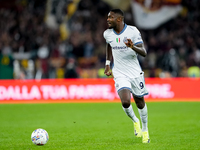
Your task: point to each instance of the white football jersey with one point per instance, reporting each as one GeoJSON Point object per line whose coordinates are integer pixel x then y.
{"type": "Point", "coordinates": [125, 59]}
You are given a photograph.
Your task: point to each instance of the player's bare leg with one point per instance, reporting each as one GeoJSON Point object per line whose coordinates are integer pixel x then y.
{"type": "Point", "coordinates": [142, 109]}
{"type": "Point", "coordinates": [125, 96]}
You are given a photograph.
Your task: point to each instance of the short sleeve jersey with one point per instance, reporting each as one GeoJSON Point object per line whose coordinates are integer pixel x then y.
{"type": "Point", "coordinates": [125, 59]}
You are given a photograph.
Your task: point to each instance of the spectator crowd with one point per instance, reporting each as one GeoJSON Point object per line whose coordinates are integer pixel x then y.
{"type": "Point", "coordinates": [31, 49]}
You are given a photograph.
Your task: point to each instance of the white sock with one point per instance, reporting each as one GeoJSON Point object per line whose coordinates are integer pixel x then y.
{"type": "Point", "coordinates": [129, 111]}
{"type": "Point", "coordinates": [144, 118]}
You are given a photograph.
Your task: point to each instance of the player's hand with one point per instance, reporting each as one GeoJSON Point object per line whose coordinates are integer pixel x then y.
{"type": "Point", "coordinates": [129, 43]}
{"type": "Point", "coordinates": [107, 70]}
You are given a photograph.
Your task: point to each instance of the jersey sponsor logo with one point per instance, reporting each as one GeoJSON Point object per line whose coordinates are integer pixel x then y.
{"type": "Point", "coordinates": [119, 47]}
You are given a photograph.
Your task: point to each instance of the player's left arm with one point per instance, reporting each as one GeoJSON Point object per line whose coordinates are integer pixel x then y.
{"type": "Point", "coordinates": [138, 48]}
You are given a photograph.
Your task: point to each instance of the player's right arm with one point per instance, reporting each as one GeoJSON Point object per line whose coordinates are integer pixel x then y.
{"type": "Point", "coordinates": [108, 60]}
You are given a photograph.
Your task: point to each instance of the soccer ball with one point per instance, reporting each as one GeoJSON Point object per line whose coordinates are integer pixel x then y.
{"type": "Point", "coordinates": [39, 137]}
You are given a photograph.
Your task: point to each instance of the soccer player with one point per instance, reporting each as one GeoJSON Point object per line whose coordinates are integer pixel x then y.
{"type": "Point", "coordinates": [124, 43]}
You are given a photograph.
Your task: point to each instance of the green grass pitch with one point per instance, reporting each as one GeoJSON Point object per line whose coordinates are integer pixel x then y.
{"type": "Point", "coordinates": [99, 126]}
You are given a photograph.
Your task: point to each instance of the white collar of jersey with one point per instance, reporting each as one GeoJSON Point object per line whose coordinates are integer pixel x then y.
{"type": "Point", "coordinates": [121, 31]}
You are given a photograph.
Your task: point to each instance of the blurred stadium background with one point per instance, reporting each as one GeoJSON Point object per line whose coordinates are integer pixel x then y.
{"type": "Point", "coordinates": [64, 38]}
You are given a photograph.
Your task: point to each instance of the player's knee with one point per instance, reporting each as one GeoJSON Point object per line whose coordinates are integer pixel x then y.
{"type": "Point", "coordinates": [140, 105]}
{"type": "Point", "coordinates": [139, 102]}
{"type": "Point", "coordinates": [126, 104]}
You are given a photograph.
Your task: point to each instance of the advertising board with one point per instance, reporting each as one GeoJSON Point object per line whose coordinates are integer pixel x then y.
{"type": "Point", "coordinates": [94, 90]}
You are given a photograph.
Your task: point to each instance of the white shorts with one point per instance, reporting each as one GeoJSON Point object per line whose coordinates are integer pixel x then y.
{"type": "Point", "coordinates": [135, 85]}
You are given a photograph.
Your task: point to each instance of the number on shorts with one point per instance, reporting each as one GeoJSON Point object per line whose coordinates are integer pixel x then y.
{"type": "Point", "coordinates": [141, 85]}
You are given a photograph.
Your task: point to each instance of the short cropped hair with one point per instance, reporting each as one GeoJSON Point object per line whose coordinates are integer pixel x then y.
{"type": "Point", "coordinates": [118, 11]}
